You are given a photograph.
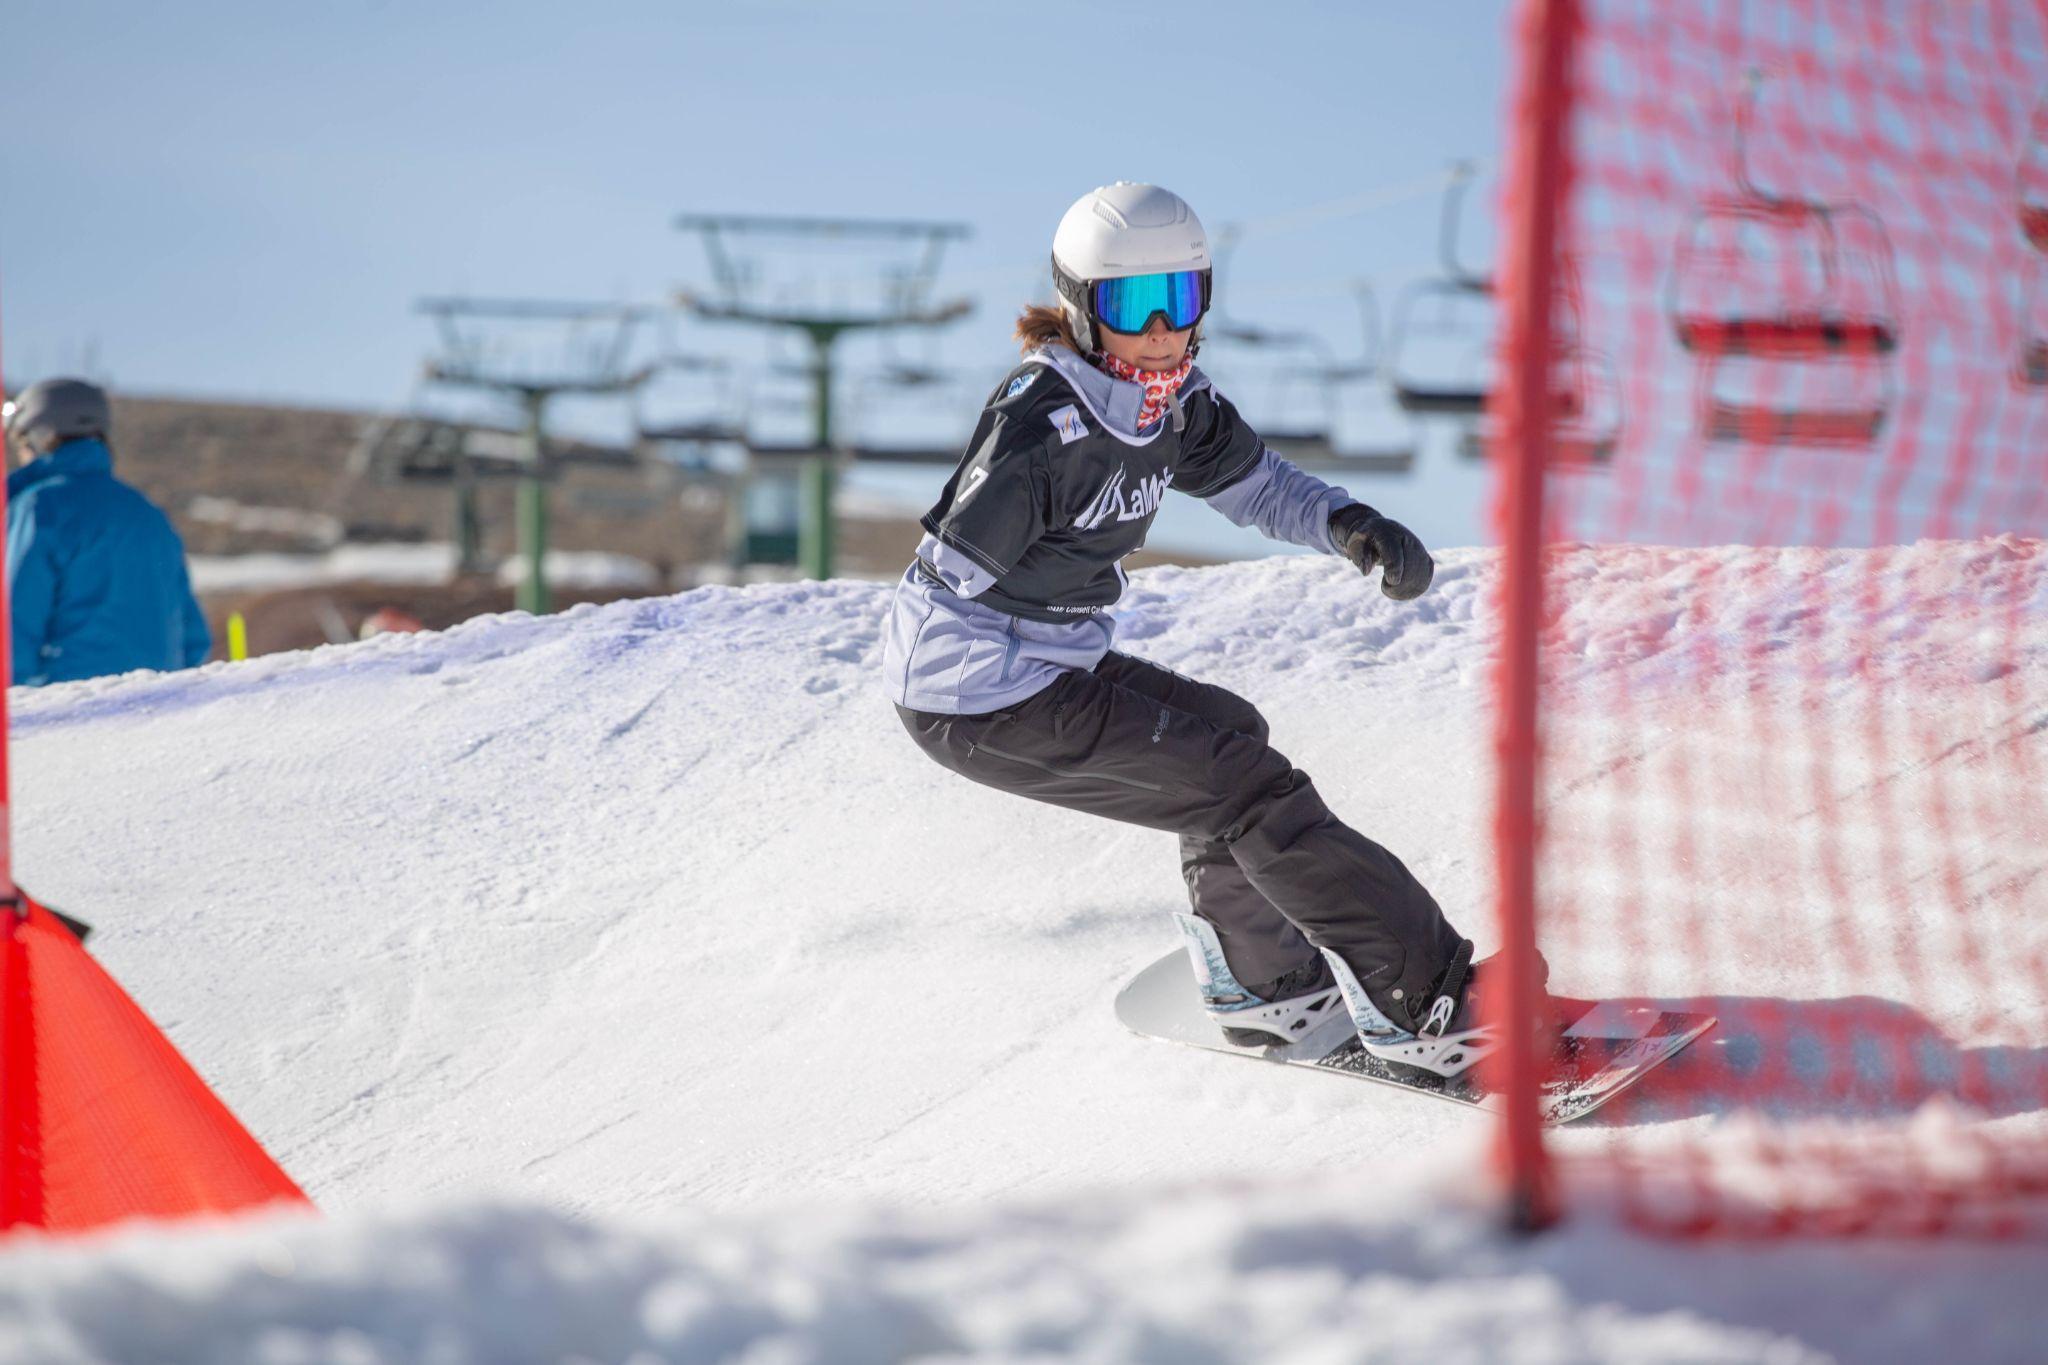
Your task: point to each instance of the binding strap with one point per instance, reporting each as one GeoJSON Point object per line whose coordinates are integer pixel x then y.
{"type": "Point", "coordinates": [1446, 1003]}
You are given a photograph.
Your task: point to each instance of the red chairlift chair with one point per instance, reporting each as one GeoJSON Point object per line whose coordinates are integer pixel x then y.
{"type": "Point", "coordinates": [1790, 307]}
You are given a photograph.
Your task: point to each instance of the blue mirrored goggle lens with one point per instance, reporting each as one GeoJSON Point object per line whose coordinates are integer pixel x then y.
{"type": "Point", "coordinates": [1129, 304]}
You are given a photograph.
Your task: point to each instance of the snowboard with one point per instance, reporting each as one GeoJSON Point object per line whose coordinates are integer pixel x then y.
{"type": "Point", "coordinates": [1605, 1048]}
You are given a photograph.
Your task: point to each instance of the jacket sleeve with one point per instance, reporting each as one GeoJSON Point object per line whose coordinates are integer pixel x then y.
{"type": "Point", "coordinates": [997, 502]}
{"type": "Point", "coordinates": [1284, 503]}
{"type": "Point", "coordinates": [31, 588]}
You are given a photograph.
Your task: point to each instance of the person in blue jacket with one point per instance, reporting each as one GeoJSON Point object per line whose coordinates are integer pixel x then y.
{"type": "Point", "coordinates": [96, 574]}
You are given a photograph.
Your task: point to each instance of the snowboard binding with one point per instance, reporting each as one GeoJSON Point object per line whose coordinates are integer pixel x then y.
{"type": "Point", "coordinates": [1448, 1041]}
{"type": "Point", "coordinates": [1300, 1000]}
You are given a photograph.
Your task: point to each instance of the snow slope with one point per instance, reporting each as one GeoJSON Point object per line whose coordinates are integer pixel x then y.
{"type": "Point", "coordinates": [624, 981]}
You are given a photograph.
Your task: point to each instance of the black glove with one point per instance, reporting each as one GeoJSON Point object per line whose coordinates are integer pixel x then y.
{"type": "Point", "coordinates": [1370, 540]}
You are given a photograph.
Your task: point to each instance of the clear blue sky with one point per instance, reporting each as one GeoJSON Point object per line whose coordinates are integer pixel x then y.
{"type": "Point", "coordinates": [245, 199]}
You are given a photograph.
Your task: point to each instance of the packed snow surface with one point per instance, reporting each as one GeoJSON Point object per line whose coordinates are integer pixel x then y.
{"type": "Point", "coordinates": [623, 984]}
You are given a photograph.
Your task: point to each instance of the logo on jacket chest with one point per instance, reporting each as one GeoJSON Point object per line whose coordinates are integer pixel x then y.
{"type": "Point", "coordinates": [1120, 499]}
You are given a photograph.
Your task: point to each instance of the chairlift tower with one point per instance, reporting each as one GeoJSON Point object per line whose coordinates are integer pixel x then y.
{"type": "Point", "coordinates": [901, 298]}
{"type": "Point", "coordinates": [584, 352]}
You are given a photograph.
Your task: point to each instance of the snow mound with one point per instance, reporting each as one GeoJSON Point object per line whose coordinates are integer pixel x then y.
{"type": "Point", "coordinates": [1343, 1269]}
{"type": "Point", "coordinates": [624, 981]}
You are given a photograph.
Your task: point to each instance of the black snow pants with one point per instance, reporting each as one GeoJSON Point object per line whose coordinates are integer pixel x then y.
{"type": "Point", "coordinates": [1265, 861]}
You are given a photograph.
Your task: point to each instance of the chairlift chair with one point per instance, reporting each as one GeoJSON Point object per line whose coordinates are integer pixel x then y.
{"type": "Point", "coordinates": [1285, 389]}
{"type": "Point", "coordinates": [1585, 393]}
{"type": "Point", "coordinates": [1450, 317]}
{"type": "Point", "coordinates": [1790, 309]}
{"type": "Point", "coordinates": [1586, 414]}
{"type": "Point", "coordinates": [1313, 443]}
{"type": "Point", "coordinates": [1453, 322]}
{"type": "Point", "coordinates": [1585, 404]}
{"type": "Point", "coordinates": [1304, 442]}
{"type": "Point", "coordinates": [1283, 381]}
{"type": "Point", "coordinates": [1397, 457]}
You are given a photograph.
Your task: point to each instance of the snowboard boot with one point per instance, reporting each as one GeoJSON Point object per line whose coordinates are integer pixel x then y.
{"type": "Point", "coordinates": [1276, 1013]}
{"type": "Point", "coordinates": [1444, 1035]}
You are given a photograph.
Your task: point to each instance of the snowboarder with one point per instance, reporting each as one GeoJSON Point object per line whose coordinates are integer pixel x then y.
{"type": "Point", "coordinates": [1000, 664]}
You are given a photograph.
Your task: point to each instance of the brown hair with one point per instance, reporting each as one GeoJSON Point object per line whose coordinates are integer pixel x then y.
{"type": "Point", "coordinates": [1044, 325]}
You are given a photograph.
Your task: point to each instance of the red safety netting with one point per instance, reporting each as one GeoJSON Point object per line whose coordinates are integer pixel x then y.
{"type": "Point", "coordinates": [1792, 670]}
{"type": "Point", "coordinates": [100, 1118]}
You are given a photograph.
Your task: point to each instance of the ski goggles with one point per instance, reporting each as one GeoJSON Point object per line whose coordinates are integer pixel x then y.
{"type": "Point", "coordinates": [1128, 305]}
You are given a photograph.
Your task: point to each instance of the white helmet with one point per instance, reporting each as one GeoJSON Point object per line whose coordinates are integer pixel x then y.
{"type": "Point", "coordinates": [1118, 231]}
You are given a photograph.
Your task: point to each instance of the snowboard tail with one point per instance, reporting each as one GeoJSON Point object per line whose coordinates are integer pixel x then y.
{"type": "Point", "coordinates": [1604, 1046]}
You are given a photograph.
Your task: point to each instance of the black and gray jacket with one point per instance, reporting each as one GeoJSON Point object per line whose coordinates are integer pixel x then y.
{"type": "Point", "coordinates": [1021, 557]}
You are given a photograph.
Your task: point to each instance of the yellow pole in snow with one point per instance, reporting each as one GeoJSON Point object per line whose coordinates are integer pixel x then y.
{"type": "Point", "coordinates": [238, 637]}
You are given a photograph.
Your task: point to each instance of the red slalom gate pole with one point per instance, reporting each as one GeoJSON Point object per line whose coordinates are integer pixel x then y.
{"type": "Point", "coordinates": [1537, 162]}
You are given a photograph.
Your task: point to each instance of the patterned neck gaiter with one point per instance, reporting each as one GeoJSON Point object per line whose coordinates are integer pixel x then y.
{"type": "Point", "coordinates": [1160, 385]}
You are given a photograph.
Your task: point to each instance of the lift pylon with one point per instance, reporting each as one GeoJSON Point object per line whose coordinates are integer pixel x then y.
{"type": "Point", "coordinates": [822, 311]}
{"type": "Point", "coordinates": [582, 348]}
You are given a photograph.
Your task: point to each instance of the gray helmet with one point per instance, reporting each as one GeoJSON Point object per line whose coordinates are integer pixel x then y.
{"type": "Point", "coordinates": [47, 414]}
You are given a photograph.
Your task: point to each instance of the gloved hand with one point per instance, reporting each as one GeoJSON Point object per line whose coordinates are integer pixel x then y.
{"type": "Point", "coordinates": [1369, 539]}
